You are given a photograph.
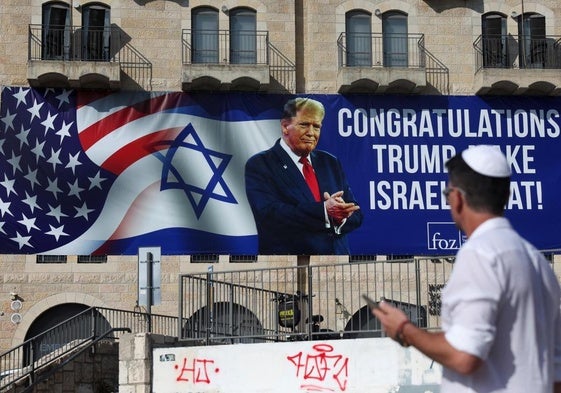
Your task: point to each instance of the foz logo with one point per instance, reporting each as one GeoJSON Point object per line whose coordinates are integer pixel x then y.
{"type": "Point", "coordinates": [444, 236]}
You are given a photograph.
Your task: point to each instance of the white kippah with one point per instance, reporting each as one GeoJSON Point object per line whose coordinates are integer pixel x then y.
{"type": "Point", "coordinates": [487, 160]}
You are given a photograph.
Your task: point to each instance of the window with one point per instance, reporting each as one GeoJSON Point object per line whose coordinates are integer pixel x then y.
{"type": "Point", "coordinates": [358, 38]}
{"type": "Point", "coordinates": [394, 32]}
{"type": "Point", "coordinates": [400, 257]}
{"type": "Point", "coordinates": [56, 32]}
{"type": "Point", "coordinates": [204, 41]}
{"type": "Point", "coordinates": [204, 258]}
{"type": "Point", "coordinates": [362, 258]}
{"type": "Point", "coordinates": [532, 42]}
{"type": "Point", "coordinates": [96, 32]}
{"type": "Point", "coordinates": [494, 40]}
{"type": "Point", "coordinates": [92, 258]}
{"type": "Point", "coordinates": [51, 259]}
{"type": "Point", "coordinates": [243, 36]}
{"type": "Point", "coordinates": [243, 258]}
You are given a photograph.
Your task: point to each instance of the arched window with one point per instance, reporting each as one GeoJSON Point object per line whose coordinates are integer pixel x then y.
{"type": "Point", "coordinates": [358, 28]}
{"type": "Point", "coordinates": [394, 32]}
{"type": "Point", "coordinates": [243, 36]}
{"type": "Point", "coordinates": [204, 41]}
{"type": "Point", "coordinates": [56, 31]}
{"type": "Point", "coordinates": [494, 40]}
{"type": "Point", "coordinates": [96, 32]}
{"type": "Point", "coordinates": [532, 41]}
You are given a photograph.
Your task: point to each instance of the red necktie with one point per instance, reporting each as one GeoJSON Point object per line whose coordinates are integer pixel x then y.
{"type": "Point", "coordinates": [310, 177]}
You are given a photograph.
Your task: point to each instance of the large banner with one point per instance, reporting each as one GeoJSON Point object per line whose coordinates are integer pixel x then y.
{"type": "Point", "coordinates": [106, 173]}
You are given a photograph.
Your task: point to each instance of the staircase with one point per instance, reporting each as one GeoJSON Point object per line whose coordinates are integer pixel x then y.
{"type": "Point", "coordinates": [25, 367]}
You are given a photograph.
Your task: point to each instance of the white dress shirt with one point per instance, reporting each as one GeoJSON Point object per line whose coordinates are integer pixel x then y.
{"type": "Point", "coordinates": [502, 304]}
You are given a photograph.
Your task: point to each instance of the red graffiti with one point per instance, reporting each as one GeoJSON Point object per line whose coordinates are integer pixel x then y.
{"type": "Point", "coordinates": [198, 373]}
{"type": "Point", "coordinates": [320, 367]}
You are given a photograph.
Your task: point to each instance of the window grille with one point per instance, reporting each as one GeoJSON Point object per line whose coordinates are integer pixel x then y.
{"type": "Point", "coordinates": [51, 259]}
{"type": "Point", "coordinates": [362, 258]}
{"type": "Point", "coordinates": [204, 258]}
{"type": "Point", "coordinates": [92, 258]}
{"type": "Point", "coordinates": [243, 258]}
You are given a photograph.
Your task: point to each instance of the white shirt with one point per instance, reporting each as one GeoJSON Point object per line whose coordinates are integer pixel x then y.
{"type": "Point", "coordinates": [294, 157]}
{"type": "Point", "coordinates": [502, 304]}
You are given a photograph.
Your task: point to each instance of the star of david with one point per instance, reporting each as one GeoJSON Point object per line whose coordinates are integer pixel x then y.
{"type": "Point", "coordinates": [200, 182]}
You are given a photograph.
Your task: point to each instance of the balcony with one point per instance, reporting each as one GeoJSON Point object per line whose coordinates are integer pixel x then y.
{"type": "Point", "coordinates": [73, 57]}
{"type": "Point", "coordinates": [391, 63]}
{"type": "Point", "coordinates": [509, 65]}
{"type": "Point", "coordinates": [219, 60]}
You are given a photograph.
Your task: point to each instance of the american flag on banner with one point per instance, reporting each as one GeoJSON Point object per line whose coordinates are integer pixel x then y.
{"type": "Point", "coordinates": [105, 173]}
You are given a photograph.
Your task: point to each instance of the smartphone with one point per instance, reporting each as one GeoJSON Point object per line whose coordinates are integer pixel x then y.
{"type": "Point", "coordinates": [371, 303]}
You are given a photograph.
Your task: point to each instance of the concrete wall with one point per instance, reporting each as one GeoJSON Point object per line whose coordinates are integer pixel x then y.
{"type": "Point", "coordinates": [354, 366]}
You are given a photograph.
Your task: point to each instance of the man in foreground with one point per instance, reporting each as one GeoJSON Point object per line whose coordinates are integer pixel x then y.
{"type": "Point", "coordinates": [501, 306]}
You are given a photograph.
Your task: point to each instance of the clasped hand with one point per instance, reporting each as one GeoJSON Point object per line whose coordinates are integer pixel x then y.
{"type": "Point", "coordinates": [337, 208]}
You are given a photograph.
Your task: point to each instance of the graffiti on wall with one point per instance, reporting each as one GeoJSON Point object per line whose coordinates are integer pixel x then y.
{"type": "Point", "coordinates": [321, 368]}
{"type": "Point", "coordinates": [343, 366]}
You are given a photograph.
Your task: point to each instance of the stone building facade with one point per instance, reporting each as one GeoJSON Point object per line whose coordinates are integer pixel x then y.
{"type": "Point", "coordinates": [456, 47]}
{"type": "Point", "coordinates": [309, 41]}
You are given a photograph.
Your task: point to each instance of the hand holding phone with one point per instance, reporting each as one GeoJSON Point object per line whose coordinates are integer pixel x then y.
{"type": "Point", "coordinates": [371, 303]}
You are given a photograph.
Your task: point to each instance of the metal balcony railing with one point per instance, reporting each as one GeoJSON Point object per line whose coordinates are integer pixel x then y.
{"type": "Point", "coordinates": [506, 51]}
{"type": "Point", "coordinates": [222, 47]}
{"type": "Point", "coordinates": [392, 51]}
{"type": "Point", "coordinates": [438, 75]}
{"type": "Point", "coordinates": [225, 47]}
{"type": "Point", "coordinates": [381, 50]}
{"type": "Point", "coordinates": [73, 43]}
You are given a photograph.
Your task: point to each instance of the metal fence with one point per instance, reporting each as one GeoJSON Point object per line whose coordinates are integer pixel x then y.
{"type": "Point", "coordinates": [31, 361]}
{"type": "Point", "coordinates": [309, 302]}
{"type": "Point", "coordinates": [303, 302]}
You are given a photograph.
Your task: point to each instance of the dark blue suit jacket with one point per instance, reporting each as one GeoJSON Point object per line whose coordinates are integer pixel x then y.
{"type": "Point", "coordinates": [289, 221]}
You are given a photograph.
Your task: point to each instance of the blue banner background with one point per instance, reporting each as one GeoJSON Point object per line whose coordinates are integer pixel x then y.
{"type": "Point", "coordinates": [526, 129]}
{"type": "Point", "coordinates": [58, 197]}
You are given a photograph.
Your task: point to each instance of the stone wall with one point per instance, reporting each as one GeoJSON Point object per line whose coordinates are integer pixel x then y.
{"type": "Point", "coordinates": [135, 360]}
{"type": "Point", "coordinates": [113, 285]}
{"type": "Point", "coordinates": [94, 371]}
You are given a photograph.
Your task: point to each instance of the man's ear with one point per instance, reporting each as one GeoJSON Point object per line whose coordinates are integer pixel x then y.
{"type": "Point", "coordinates": [460, 201]}
{"type": "Point", "coordinates": [285, 123]}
